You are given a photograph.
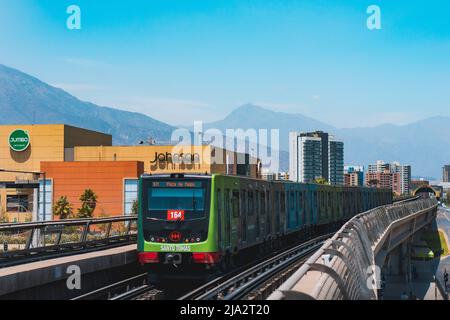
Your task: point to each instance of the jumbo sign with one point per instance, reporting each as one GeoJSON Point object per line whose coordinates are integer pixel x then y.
{"type": "Point", "coordinates": [19, 140]}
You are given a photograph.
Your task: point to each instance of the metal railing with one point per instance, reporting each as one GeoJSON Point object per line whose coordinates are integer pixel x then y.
{"type": "Point", "coordinates": [342, 268]}
{"type": "Point", "coordinates": [22, 241]}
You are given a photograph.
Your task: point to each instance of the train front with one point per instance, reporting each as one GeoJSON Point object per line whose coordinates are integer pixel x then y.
{"type": "Point", "coordinates": [176, 231]}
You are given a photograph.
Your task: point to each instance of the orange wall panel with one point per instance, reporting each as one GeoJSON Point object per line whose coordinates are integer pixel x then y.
{"type": "Point", "coordinates": [105, 178]}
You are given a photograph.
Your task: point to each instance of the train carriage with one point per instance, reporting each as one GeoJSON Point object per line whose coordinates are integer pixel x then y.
{"type": "Point", "coordinates": [195, 222]}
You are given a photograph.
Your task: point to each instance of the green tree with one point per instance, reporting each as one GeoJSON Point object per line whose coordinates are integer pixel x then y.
{"type": "Point", "coordinates": [63, 209]}
{"type": "Point", "coordinates": [321, 180]}
{"type": "Point", "coordinates": [88, 204]}
{"type": "Point", "coordinates": [135, 208]}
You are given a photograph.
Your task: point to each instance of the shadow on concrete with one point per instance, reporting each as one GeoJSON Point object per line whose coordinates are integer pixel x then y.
{"type": "Point", "coordinates": [426, 253]}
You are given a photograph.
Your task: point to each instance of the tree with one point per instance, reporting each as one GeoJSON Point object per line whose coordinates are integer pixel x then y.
{"type": "Point", "coordinates": [135, 208]}
{"type": "Point", "coordinates": [321, 180]}
{"type": "Point", "coordinates": [88, 204]}
{"type": "Point", "coordinates": [373, 183]}
{"type": "Point", "coordinates": [63, 209]}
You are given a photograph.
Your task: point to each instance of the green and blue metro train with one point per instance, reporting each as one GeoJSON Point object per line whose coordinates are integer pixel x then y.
{"type": "Point", "coordinates": [212, 221]}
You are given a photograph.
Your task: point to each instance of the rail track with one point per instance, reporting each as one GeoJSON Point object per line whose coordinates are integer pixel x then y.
{"type": "Point", "coordinates": [257, 282]}
{"type": "Point", "coordinates": [134, 288]}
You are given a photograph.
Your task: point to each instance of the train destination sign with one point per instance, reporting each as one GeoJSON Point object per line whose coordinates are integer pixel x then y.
{"type": "Point", "coordinates": [177, 184]}
{"type": "Point", "coordinates": [19, 140]}
{"type": "Point", "coordinates": [175, 248]}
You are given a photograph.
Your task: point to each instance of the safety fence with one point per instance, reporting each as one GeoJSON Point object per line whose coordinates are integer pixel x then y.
{"type": "Point", "coordinates": [21, 240]}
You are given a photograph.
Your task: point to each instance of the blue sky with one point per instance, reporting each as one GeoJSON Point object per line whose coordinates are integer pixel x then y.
{"type": "Point", "coordinates": [184, 60]}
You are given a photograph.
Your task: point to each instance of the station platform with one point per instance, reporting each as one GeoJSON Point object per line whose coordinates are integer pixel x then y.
{"type": "Point", "coordinates": [47, 279]}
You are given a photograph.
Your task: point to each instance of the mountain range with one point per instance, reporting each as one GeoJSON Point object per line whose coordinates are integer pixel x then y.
{"type": "Point", "coordinates": [424, 144]}
{"type": "Point", "coordinates": [25, 99]}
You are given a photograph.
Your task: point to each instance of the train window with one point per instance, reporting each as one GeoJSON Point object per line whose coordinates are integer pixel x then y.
{"type": "Point", "coordinates": [244, 204]}
{"type": "Point", "coordinates": [276, 206]}
{"type": "Point", "coordinates": [258, 213]}
{"type": "Point", "coordinates": [219, 201]}
{"type": "Point", "coordinates": [250, 203]}
{"type": "Point", "coordinates": [257, 206]}
{"type": "Point", "coordinates": [321, 199]}
{"type": "Point", "coordinates": [263, 202]}
{"type": "Point", "coordinates": [292, 200]}
{"type": "Point", "coordinates": [219, 216]}
{"type": "Point", "coordinates": [226, 201]}
{"type": "Point", "coordinates": [235, 204]}
{"type": "Point", "coordinates": [192, 200]}
{"type": "Point", "coordinates": [300, 201]}
{"type": "Point", "coordinates": [283, 202]}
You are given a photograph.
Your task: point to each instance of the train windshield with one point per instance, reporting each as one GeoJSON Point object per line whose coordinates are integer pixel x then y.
{"type": "Point", "coordinates": [176, 200]}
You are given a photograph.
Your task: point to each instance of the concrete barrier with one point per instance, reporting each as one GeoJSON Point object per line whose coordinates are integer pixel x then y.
{"type": "Point", "coordinates": [346, 267]}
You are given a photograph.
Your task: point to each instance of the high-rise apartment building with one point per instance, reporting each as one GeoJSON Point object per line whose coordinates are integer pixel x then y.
{"type": "Point", "coordinates": [446, 174]}
{"type": "Point", "coordinates": [315, 155]}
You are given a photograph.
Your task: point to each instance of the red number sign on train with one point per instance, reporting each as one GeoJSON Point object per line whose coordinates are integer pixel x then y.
{"type": "Point", "coordinates": [175, 215]}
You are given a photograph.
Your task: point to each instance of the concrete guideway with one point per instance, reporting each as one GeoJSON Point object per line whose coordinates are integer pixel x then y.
{"type": "Point", "coordinates": [351, 265]}
{"type": "Point", "coordinates": [47, 279]}
{"type": "Point", "coordinates": [443, 223]}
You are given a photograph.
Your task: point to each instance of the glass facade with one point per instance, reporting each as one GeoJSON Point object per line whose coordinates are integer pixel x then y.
{"type": "Point", "coordinates": [336, 162]}
{"type": "Point", "coordinates": [130, 195]}
{"type": "Point", "coordinates": [45, 211]}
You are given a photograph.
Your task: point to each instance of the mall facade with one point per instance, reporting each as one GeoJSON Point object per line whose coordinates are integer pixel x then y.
{"type": "Point", "coordinates": [39, 164]}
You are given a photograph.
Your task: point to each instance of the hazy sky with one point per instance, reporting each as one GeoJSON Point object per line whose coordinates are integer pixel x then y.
{"type": "Point", "coordinates": [183, 60]}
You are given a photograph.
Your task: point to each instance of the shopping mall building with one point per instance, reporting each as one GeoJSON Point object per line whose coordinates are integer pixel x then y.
{"type": "Point", "coordinates": [71, 160]}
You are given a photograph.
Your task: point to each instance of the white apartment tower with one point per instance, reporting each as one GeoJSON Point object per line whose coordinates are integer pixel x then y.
{"type": "Point", "coordinates": [313, 155]}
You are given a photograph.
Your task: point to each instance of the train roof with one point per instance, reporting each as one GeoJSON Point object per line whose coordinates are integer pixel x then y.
{"type": "Point", "coordinates": [209, 176]}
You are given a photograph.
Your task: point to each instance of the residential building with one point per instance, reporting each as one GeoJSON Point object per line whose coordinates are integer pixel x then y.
{"type": "Point", "coordinates": [446, 174]}
{"type": "Point", "coordinates": [354, 176]}
{"type": "Point", "coordinates": [315, 155]}
{"type": "Point", "coordinates": [394, 176]}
